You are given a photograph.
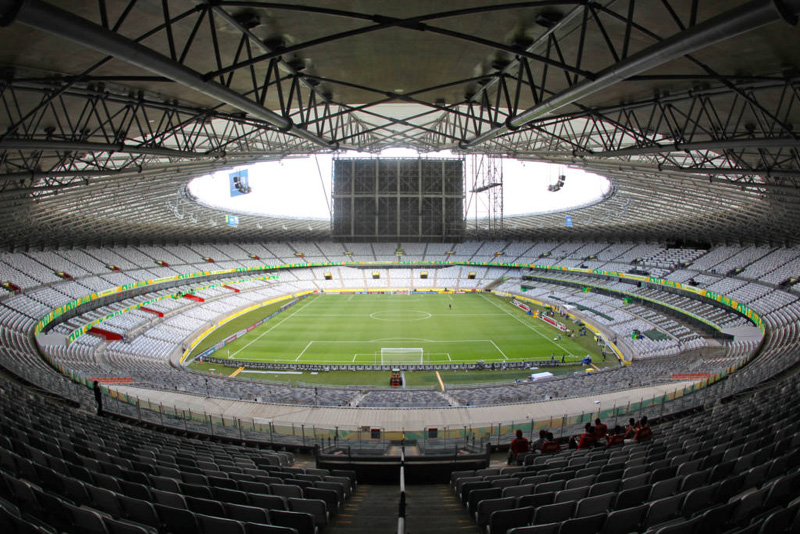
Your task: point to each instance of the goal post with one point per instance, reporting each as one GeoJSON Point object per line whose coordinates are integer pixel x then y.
{"type": "Point", "coordinates": [402, 356]}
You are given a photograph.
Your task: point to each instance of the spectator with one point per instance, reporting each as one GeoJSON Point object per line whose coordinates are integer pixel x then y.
{"type": "Point", "coordinates": [98, 397]}
{"type": "Point", "coordinates": [518, 446]}
{"type": "Point", "coordinates": [644, 432]}
{"type": "Point", "coordinates": [630, 429]}
{"type": "Point", "coordinates": [600, 430]}
{"type": "Point", "coordinates": [550, 445]}
{"type": "Point", "coordinates": [617, 437]}
{"type": "Point", "coordinates": [536, 446]}
{"type": "Point", "coordinates": [587, 439]}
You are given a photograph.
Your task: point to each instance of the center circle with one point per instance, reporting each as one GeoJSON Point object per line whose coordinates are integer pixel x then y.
{"type": "Point", "coordinates": [400, 315]}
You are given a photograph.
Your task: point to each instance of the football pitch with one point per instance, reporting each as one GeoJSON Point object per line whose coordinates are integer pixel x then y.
{"type": "Point", "coordinates": [413, 328]}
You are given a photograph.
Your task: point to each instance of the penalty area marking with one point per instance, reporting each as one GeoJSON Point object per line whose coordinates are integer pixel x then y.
{"type": "Point", "coordinates": [499, 349]}
{"type": "Point", "coordinates": [370, 355]}
{"type": "Point", "coordinates": [403, 339]}
{"type": "Point", "coordinates": [301, 309]}
{"type": "Point", "coordinates": [265, 332]}
{"type": "Point", "coordinates": [400, 315]}
{"type": "Point", "coordinates": [304, 351]}
{"type": "Point", "coordinates": [526, 324]}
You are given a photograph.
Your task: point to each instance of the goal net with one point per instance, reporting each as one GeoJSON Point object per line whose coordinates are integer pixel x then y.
{"type": "Point", "coordinates": [402, 355]}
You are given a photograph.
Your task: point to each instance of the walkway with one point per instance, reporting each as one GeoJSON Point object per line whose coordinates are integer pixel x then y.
{"type": "Point", "coordinates": [400, 419]}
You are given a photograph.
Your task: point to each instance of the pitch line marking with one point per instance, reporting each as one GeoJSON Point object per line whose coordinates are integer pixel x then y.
{"type": "Point", "coordinates": [402, 339]}
{"type": "Point", "coordinates": [467, 314]}
{"type": "Point", "coordinates": [498, 348]}
{"type": "Point", "coordinates": [303, 308]}
{"type": "Point", "coordinates": [400, 315]}
{"type": "Point", "coordinates": [526, 324]}
{"type": "Point", "coordinates": [304, 351]}
{"type": "Point", "coordinates": [431, 314]}
{"type": "Point", "coordinates": [265, 332]}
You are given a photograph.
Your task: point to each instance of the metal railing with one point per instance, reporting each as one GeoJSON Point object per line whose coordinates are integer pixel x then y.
{"type": "Point", "coordinates": [401, 508]}
{"type": "Point", "coordinates": [442, 437]}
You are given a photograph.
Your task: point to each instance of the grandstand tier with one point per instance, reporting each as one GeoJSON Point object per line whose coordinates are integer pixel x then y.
{"type": "Point", "coordinates": [186, 347]}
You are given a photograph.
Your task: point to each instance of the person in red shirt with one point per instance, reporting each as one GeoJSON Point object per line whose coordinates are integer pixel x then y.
{"type": "Point", "coordinates": [644, 432]}
{"type": "Point", "coordinates": [631, 428]}
{"type": "Point", "coordinates": [536, 446]}
{"type": "Point", "coordinates": [550, 445]}
{"type": "Point", "coordinates": [615, 439]}
{"type": "Point", "coordinates": [518, 446]}
{"type": "Point", "coordinates": [587, 439]}
{"type": "Point", "coordinates": [600, 430]}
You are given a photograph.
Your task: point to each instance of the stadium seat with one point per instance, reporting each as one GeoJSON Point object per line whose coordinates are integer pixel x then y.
{"type": "Point", "coordinates": [631, 497]}
{"type": "Point", "coordinates": [257, 528]}
{"type": "Point", "coordinates": [568, 495]}
{"type": "Point", "coordinates": [210, 507]}
{"type": "Point", "coordinates": [105, 501]}
{"type": "Point", "coordinates": [662, 510]}
{"type": "Point", "coordinates": [230, 495]}
{"type": "Point", "coordinates": [329, 496]}
{"type": "Point", "coordinates": [681, 526]}
{"type": "Point", "coordinates": [468, 487]}
{"type": "Point", "coordinates": [778, 521]}
{"type": "Point", "coordinates": [345, 480]}
{"type": "Point", "coordinates": [337, 487]}
{"type": "Point", "coordinates": [176, 520]}
{"type": "Point", "coordinates": [218, 525]}
{"type": "Point", "coordinates": [552, 528]}
{"type": "Point", "coordinates": [315, 507]}
{"type": "Point", "coordinates": [286, 490]}
{"type": "Point", "coordinates": [478, 495]}
{"type": "Point", "coordinates": [503, 520]}
{"type": "Point", "coordinates": [554, 513]}
{"type": "Point", "coordinates": [86, 520]}
{"type": "Point", "coordinates": [716, 518]}
{"type": "Point", "coordinates": [589, 524]}
{"type": "Point", "coordinates": [536, 499]}
{"type": "Point", "coordinates": [486, 507]}
{"type": "Point", "coordinates": [599, 504]}
{"type": "Point", "coordinates": [268, 502]}
{"type": "Point", "coordinates": [246, 513]}
{"type": "Point", "coordinates": [625, 521]}
{"type": "Point", "coordinates": [300, 521]}
{"type": "Point", "coordinates": [139, 511]}
{"type": "Point", "coordinates": [602, 488]}
{"type": "Point", "coordinates": [116, 526]}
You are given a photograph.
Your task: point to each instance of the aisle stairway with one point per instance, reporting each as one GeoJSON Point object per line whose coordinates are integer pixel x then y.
{"type": "Point", "coordinates": [370, 509]}
{"type": "Point", "coordinates": [430, 509]}
{"type": "Point", "coordinates": [435, 509]}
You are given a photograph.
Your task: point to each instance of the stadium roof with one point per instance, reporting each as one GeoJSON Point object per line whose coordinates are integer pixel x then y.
{"type": "Point", "coordinates": [108, 108]}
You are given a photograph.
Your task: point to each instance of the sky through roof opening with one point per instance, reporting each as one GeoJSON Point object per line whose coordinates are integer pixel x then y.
{"type": "Point", "coordinates": [300, 186]}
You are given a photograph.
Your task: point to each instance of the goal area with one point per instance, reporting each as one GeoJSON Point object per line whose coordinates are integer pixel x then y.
{"type": "Point", "coordinates": [402, 355]}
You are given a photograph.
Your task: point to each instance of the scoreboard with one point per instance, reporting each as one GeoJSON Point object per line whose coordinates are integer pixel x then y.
{"type": "Point", "coordinates": [391, 200]}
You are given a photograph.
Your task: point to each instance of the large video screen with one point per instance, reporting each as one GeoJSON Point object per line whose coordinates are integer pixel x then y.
{"type": "Point", "coordinates": [418, 200]}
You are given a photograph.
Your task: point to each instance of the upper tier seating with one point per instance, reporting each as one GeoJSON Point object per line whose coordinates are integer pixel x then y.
{"type": "Point", "coordinates": [150, 339]}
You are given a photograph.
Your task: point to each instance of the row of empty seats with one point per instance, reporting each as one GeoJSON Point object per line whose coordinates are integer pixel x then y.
{"type": "Point", "coordinates": [65, 470]}
{"type": "Point", "coordinates": [733, 468]}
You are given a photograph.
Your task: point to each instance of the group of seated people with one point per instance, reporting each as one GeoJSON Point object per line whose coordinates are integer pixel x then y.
{"type": "Point", "coordinates": [520, 447]}
{"type": "Point", "coordinates": [599, 435]}
{"type": "Point", "coordinates": [593, 436]}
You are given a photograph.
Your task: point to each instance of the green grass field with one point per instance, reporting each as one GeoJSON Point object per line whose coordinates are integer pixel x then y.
{"type": "Point", "coordinates": [352, 329]}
